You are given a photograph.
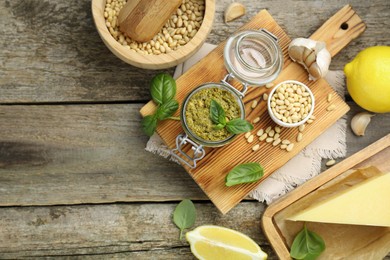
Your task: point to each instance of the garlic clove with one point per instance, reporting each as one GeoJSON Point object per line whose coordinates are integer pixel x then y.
{"type": "Point", "coordinates": [296, 52]}
{"type": "Point", "coordinates": [310, 59]}
{"type": "Point", "coordinates": [315, 71]}
{"type": "Point", "coordinates": [360, 122]}
{"type": "Point", "coordinates": [234, 11]}
{"type": "Point", "coordinates": [306, 53]}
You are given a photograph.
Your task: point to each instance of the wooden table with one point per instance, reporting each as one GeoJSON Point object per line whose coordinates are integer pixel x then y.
{"type": "Point", "coordinates": [74, 177]}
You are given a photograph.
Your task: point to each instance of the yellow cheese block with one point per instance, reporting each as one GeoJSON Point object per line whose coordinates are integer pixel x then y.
{"type": "Point", "coordinates": [366, 203]}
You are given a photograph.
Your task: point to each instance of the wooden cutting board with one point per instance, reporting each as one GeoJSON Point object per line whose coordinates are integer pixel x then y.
{"type": "Point", "coordinates": [211, 171]}
{"type": "Point", "coordinates": [280, 232]}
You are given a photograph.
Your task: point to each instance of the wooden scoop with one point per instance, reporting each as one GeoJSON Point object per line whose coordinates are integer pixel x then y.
{"type": "Point", "coordinates": [141, 20]}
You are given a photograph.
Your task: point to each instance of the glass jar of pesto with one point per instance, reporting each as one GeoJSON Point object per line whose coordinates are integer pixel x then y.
{"type": "Point", "coordinates": [253, 58]}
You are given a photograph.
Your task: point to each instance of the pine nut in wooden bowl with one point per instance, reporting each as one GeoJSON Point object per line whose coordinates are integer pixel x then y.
{"type": "Point", "coordinates": [165, 59]}
{"type": "Point", "coordinates": [290, 103]}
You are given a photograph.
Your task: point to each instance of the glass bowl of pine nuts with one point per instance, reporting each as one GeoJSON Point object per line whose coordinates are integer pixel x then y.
{"type": "Point", "coordinates": [182, 35]}
{"type": "Point", "coordinates": [290, 103]}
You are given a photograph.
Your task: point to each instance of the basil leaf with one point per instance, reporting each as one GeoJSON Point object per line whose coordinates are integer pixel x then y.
{"type": "Point", "coordinates": [217, 114]}
{"type": "Point", "coordinates": [167, 109]}
{"type": "Point", "coordinates": [238, 126]}
{"type": "Point", "coordinates": [149, 124]}
{"type": "Point", "coordinates": [219, 127]}
{"type": "Point", "coordinates": [184, 215]}
{"type": "Point", "coordinates": [163, 88]}
{"type": "Point", "coordinates": [244, 173]}
{"type": "Point", "coordinates": [307, 245]}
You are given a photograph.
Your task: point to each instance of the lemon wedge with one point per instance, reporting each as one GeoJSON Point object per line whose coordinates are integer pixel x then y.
{"type": "Point", "coordinates": [215, 242]}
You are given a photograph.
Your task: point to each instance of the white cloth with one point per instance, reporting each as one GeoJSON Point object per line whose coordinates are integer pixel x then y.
{"type": "Point", "coordinates": [329, 145]}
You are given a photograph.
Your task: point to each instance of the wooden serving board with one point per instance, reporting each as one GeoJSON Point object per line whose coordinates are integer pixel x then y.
{"type": "Point", "coordinates": [212, 169]}
{"type": "Point", "coordinates": [280, 232]}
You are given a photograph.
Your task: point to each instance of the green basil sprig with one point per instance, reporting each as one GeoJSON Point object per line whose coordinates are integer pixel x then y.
{"type": "Point", "coordinates": [244, 173]}
{"type": "Point", "coordinates": [184, 215]}
{"type": "Point", "coordinates": [307, 245]}
{"type": "Point", "coordinates": [163, 91]}
{"type": "Point", "coordinates": [218, 117]}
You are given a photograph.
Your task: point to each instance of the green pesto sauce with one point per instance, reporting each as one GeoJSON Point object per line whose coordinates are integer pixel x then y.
{"type": "Point", "coordinates": [197, 113]}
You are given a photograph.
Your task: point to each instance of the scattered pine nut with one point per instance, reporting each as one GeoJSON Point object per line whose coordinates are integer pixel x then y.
{"type": "Point", "coordinates": [286, 142]}
{"type": "Point", "coordinates": [269, 85]}
{"type": "Point", "coordinates": [276, 136]}
{"type": "Point", "coordinates": [276, 142]}
{"type": "Point", "coordinates": [277, 129]}
{"type": "Point", "coordinates": [260, 132]}
{"type": "Point", "coordinates": [265, 96]}
{"type": "Point", "coordinates": [299, 137]}
{"type": "Point", "coordinates": [309, 121]}
{"type": "Point", "coordinates": [301, 128]}
{"type": "Point", "coordinates": [331, 107]}
{"type": "Point", "coordinates": [263, 136]}
{"type": "Point", "coordinates": [283, 146]}
{"type": "Point", "coordinates": [330, 95]}
{"type": "Point", "coordinates": [313, 117]}
{"type": "Point", "coordinates": [254, 104]}
{"type": "Point", "coordinates": [269, 139]}
{"type": "Point", "coordinates": [256, 120]}
{"type": "Point", "coordinates": [247, 135]}
{"type": "Point", "coordinates": [250, 139]}
{"type": "Point", "coordinates": [290, 147]}
{"type": "Point", "coordinates": [330, 163]}
{"type": "Point", "coordinates": [268, 129]}
{"type": "Point", "coordinates": [256, 147]}
{"type": "Point", "coordinates": [271, 133]}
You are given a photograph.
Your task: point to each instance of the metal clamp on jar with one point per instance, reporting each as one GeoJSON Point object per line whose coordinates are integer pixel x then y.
{"type": "Point", "coordinates": [252, 57]}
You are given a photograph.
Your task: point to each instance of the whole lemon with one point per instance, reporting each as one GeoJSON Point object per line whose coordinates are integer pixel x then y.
{"type": "Point", "coordinates": [368, 79]}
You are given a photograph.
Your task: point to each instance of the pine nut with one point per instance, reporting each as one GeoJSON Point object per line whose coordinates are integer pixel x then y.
{"type": "Point", "coordinates": [330, 163]}
{"type": "Point", "coordinates": [269, 85]}
{"type": "Point", "coordinates": [269, 140]}
{"type": "Point", "coordinates": [286, 141]}
{"type": "Point", "coordinates": [256, 120]}
{"type": "Point", "coordinates": [271, 133]}
{"type": "Point", "coordinates": [299, 137]}
{"type": "Point", "coordinates": [265, 96]}
{"type": "Point", "coordinates": [290, 147]}
{"type": "Point", "coordinates": [276, 142]}
{"type": "Point", "coordinates": [254, 104]}
{"type": "Point", "coordinates": [250, 139]}
{"type": "Point", "coordinates": [268, 129]}
{"type": "Point", "coordinates": [330, 95]}
{"type": "Point", "coordinates": [301, 128]}
{"type": "Point", "coordinates": [277, 129]}
{"type": "Point", "coordinates": [256, 147]}
{"type": "Point", "coordinates": [247, 134]}
{"type": "Point", "coordinates": [263, 137]}
{"type": "Point", "coordinates": [331, 107]}
{"type": "Point", "coordinates": [260, 132]}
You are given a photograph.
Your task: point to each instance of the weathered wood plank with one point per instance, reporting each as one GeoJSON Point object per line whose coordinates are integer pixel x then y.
{"type": "Point", "coordinates": [94, 154]}
{"type": "Point", "coordinates": [142, 230]}
{"type": "Point", "coordinates": [51, 52]}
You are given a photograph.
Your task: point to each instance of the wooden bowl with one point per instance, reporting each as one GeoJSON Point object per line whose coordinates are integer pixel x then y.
{"type": "Point", "coordinates": [151, 61]}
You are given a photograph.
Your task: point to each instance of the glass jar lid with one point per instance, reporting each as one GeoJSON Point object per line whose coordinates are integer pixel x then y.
{"type": "Point", "coordinates": [253, 57]}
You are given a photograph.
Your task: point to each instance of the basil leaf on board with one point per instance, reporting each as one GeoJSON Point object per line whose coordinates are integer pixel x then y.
{"type": "Point", "coordinates": [244, 173]}
{"type": "Point", "coordinates": [217, 114]}
{"type": "Point", "coordinates": [238, 126]}
{"type": "Point", "coordinates": [163, 88]}
{"type": "Point", "coordinates": [307, 245]}
{"type": "Point", "coordinates": [149, 124]}
{"type": "Point", "coordinates": [167, 109]}
{"type": "Point", "coordinates": [184, 215]}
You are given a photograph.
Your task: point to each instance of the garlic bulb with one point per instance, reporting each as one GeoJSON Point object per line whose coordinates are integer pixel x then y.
{"type": "Point", "coordinates": [360, 122]}
{"type": "Point", "coordinates": [312, 55]}
{"type": "Point", "coordinates": [233, 11]}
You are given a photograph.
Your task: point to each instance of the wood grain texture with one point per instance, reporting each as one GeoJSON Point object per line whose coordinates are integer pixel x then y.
{"type": "Point", "coordinates": [46, 160]}
{"type": "Point", "coordinates": [114, 230]}
{"type": "Point", "coordinates": [211, 171]}
{"type": "Point", "coordinates": [56, 54]}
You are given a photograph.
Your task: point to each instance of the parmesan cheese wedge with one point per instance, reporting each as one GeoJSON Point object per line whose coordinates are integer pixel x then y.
{"type": "Point", "coordinates": [366, 203]}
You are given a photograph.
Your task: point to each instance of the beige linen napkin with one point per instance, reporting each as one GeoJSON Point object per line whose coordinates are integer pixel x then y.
{"type": "Point", "coordinates": [304, 166]}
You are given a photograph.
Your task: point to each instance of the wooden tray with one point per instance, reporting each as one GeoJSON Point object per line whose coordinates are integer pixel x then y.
{"type": "Point", "coordinates": [210, 173]}
{"type": "Point", "coordinates": [280, 232]}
